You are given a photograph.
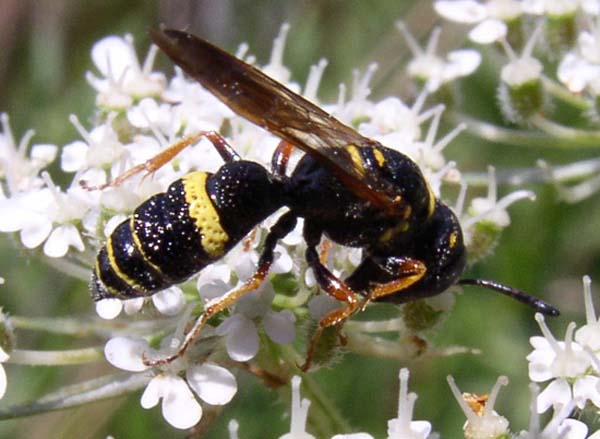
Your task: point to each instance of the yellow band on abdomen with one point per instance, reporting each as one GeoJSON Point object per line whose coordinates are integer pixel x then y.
{"type": "Point", "coordinates": [201, 209]}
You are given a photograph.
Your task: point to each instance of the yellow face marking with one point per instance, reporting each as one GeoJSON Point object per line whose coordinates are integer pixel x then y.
{"type": "Point", "coordinates": [379, 157]}
{"type": "Point", "coordinates": [356, 158]}
{"type": "Point", "coordinates": [452, 239]}
{"type": "Point", "coordinates": [138, 246]}
{"type": "Point", "coordinates": [205, 216]}
{"type": "Point", "coordinates": [115, 266]}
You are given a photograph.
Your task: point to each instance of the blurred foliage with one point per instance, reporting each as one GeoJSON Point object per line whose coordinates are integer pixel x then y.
{"type": "Point", "coordinates": [44, 52]}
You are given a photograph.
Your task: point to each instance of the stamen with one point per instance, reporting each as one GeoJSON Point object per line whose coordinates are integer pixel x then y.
{"type": "Point", "coordinates": [314, 79]}
{"type": "Point", "coordinates": [412, 43]}
{"type": "Point", "coordinates": [279, 46]}
{"type": "Point", "coordinates": [590, 313]}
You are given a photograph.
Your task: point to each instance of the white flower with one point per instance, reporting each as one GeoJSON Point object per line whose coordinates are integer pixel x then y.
{"type": "Point", "coordinates": [194, 107]}
{"type": "Point", "coordinates": [559, 426]}
{"type": "Point", "coordinates": [490, 17]}
{"type": "Point", "coordinates": [211, 382]}
{"type": "Point", "coordinates": [403, 427]}
{"type": "Point", "coordinates": [19, 170]}
{"type": "Point", "coordinates": [567, 364]}
{"type": "Point", "coordinates": [99, 148]}
{"type": "Point", "coordinates": [3, 357]}
{"type": "Point", "coordinates": [240, 331]}
{"type": "Point", "coordinates": [433, 70]}
{"type": "Point", "coordinates": [551, 8]}
{"type": "Point", "coordinates": [580, 68]}
{"type": "Point", "coordinates": [124, 79]}
{"type": "Point", "coordinates": [46, 215]}
{"type": "Point", "coordinates": [168, 302]}
{"type": "Point", "coordinates": [490, 209]}
{"type": "Point", "coordinates": [482, 422]}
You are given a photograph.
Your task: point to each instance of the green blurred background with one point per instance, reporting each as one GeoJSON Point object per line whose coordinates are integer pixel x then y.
{"type": "Point", "coordinates": [44, 53]}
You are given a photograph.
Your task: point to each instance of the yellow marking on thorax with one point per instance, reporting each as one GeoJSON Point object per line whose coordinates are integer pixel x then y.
{"type": "Point", "coordinates": [390, 233]}
{"type": "Point", "coordinates": [379, 157]}
{"type": "Point", "coordinates": [205, 216]}
{"type": "Point", "coordinates": [356, 157]}
{"type": "Point", "coordinates": [115, 266]}
{"type": "Point", "coordinates": [452, 239]}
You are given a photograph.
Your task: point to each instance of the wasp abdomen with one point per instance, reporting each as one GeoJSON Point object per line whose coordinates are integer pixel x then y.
{"type": "Point", "coordinates": [175, 234]}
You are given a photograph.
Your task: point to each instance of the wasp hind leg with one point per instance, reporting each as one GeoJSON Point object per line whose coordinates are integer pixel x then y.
{"type": "Point", "coordinates": [153, 164]}
{"type": "Point", "coordinates": [282, 227]}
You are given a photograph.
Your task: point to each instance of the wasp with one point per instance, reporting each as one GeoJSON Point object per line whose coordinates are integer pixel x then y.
{"type": "Point", "coordinates": [347, 188]}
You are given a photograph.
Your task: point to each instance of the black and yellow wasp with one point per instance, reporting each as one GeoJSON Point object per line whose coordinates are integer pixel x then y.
{"type": "Point", "coordinates": [348, 188]}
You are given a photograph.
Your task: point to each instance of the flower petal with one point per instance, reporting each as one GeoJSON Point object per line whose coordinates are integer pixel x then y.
{"type": "Point", "coordinates": [213, 383]}
{"type": "Point", "coordinates": [3, 382]}
{"type": "Point", "coordinates": [126, 353]}
{"type": "Point", "coordinates": [109, 309]}
{"type": "Point", "coordinates": [179, 407]}
{"type": "Point", "coordinates": [586, 388]}
{"type": "Point", "coordinates": [462, 11]}
{"type": "Point", "coordinates": [572, 429]}
{"type": "Point", "coordinates": [169, 301]}
{"type": "Point", "coordinates": [558, 393]}
{"type": "Point", "coordinates": [242, 338]}
{"type": "Point", "coordinates": [488, 31]}
{"type": "Point", "coordinates": [279, 326]}
{"type": "Point", "coordinates": [60, 239]}
{"type": "Point", "coordinates": [112, 55]}
{"type": "Point", "coordinates": [35, 232]}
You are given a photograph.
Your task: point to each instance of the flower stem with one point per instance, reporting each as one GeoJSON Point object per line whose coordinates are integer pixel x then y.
{"type": "Point", "coordinates": [552, 136]}
{"type": "Point", "coordinates": [56, 358]}
{"type": "Point", "coordinates": [82, 393]}
{"type": "Point", "coordinates": [560, 92]}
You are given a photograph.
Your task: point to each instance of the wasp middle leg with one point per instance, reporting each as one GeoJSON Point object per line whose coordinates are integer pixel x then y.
{"type": "Point", "coordinates": [284, 225]}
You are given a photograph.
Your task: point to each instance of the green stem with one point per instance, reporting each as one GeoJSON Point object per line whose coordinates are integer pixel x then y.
{"type": "Point", "coordinates": [574, 137]}
{"type": "Point", "coordinates": [552, 136]}
{"type": "Point", "coordinates": [569, 173]}
{"type": "Point", "coordinates": [83, 393]}
{"type": "Point", "coordinates": [85, 327]}
{"type": "Point", "coordinates": [561, 93]}
{"type": "Point", "coordinates": [56, 358]}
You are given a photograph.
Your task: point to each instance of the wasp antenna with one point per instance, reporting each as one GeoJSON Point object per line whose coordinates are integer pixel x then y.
{"type": "Point", "coordinates": [521, 296]}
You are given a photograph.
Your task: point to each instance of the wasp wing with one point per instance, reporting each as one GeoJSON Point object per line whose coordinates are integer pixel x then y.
{"type": "Point", "coordinates": [270, 105]}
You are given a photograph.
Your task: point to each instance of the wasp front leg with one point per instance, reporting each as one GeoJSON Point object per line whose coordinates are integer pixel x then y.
{"type": "Point", "coordinates": [333, 286]}
{"type": "Point", "coordinates": [405, 272]}
{"type": "Point", "coordinates": [153, 164]}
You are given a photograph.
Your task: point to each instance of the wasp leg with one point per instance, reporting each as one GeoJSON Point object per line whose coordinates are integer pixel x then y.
{"type": "Point", "coordinates": [407, 271]}
{"type": "Point", "coordinates": [284, 225]}
{"type": "Point", "coordinates": [162, 158]}
{"type": "Point", "coordinates": [281, 158]}
{"type": "Point", "coordinates": [333, 286]}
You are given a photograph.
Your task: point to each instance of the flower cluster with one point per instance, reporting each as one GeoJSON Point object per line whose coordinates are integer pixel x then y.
{"type": "Point", "coordinates": [572, 366]}
{"type": "Point", "coordinates": [548, 58]}
{"type": "Point", "coordinates": [140, 112]}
